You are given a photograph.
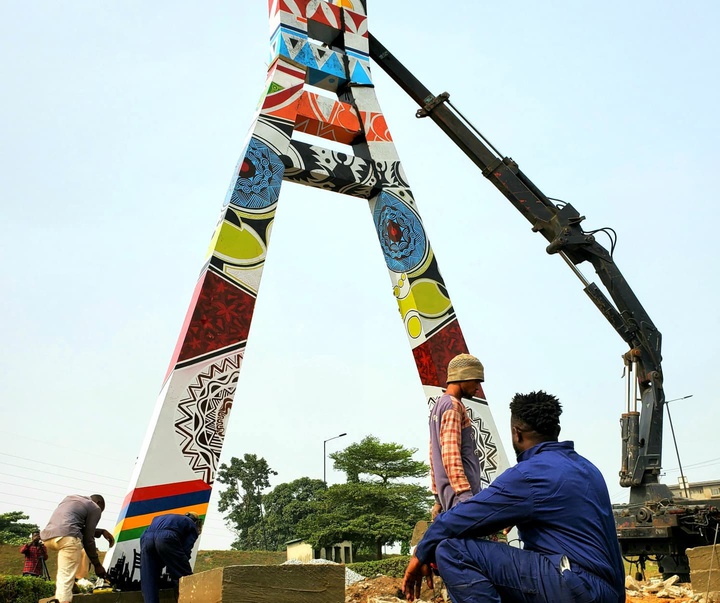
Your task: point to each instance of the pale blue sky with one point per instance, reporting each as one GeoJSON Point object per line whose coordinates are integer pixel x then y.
{"type": "Point", "coordinates": [121, 123]}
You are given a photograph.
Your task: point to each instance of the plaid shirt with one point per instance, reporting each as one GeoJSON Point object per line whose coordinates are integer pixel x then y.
{"type": "Point", "coordinates": [453, 421]}
{"type": "Point", "coordinates": [34, 554]}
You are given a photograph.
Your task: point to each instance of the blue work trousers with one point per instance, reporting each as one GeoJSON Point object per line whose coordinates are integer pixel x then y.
{"type": "Point", "coordinates": [160, 549]}
{"type": "Point", "coordinates": [481, 571]}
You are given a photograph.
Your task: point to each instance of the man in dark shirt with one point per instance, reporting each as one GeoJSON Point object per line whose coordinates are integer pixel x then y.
{"type": "Point", "coordinates": [167, 542]}
{"type": "Point", "coordinates": [559, 502]}
{"type": "Point", "coordinates": [35, 553]}
{"type": "Point", "coordinates": [72, 528]}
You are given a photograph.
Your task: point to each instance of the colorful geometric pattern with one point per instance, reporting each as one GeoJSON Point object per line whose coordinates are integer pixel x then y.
{"type": "Point", "coordinates": [323, 44]}
{"type": "Point", "coordinates": [143, 504]}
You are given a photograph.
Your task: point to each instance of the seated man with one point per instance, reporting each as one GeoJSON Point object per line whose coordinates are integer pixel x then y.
{"type": "Point", "coordinates": [559, 502]}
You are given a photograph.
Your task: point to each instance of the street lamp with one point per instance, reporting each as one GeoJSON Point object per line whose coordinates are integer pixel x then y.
{"type": "Point", "coordinates": [324, 463]}
{"type": "Point", "coordinates": [677, 453]}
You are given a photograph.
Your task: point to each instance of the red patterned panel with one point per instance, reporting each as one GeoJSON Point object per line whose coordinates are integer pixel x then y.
{"type": "Point", "coordinates": [294, 7]}
{"type": "Point", "coordinates": [219, 316]}
{"type": "Point", "coordinates": [281, 100]}
{"type": "Point", "coordinates": [432, 357]}
{"type": "Point", "coordinates": [325, 14]}
{"type": "Point", "coordinates": [331, 120]}
{"type": "Point", "coordinates": [355, 23]}
{"type": "Point", "coordinates": [376, 128]}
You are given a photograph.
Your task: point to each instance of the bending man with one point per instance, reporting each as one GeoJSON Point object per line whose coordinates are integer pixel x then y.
{"type": "Point", "coordinates": [559, 502]}
{"type": "Point", "coordinates": [72, 528]}
{"type": "Point", "coordinates": [168, 542]}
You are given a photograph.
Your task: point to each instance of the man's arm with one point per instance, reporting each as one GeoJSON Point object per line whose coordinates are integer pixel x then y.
{"type": "Point", "coordinates": [190, 537]}
{"type": "Point", "coordinates": [106, 535]}
{"type": "Point", "coordinates": [25, 549]}
{"type": "Point", "coordinates": [505, 502]}
{"type": "Point", "coordinates": [91, 521]}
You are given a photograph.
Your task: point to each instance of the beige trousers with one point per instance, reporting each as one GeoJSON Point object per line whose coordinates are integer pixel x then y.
{"type": "Point", "coordinates": [70, 551]}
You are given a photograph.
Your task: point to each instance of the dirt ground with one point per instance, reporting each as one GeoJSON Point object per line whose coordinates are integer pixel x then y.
{"type": "Point", "coordinates": [385, 588]}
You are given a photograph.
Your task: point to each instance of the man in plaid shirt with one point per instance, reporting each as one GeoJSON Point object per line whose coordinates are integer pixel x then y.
{"type": "Point", "coordinates": [35, 553]}
{"type": "Point", "coordinates": [454, 465]}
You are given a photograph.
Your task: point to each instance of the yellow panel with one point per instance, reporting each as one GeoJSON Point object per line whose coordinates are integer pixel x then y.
{"type": "Point", "coordinates": [237, 244]}
{"type": "Point", "coordinates": [426, 297]}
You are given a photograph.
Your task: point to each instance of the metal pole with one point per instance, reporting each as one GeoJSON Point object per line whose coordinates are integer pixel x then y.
{"type": "Point", "coordinates": [677, 453]}
{"type": "Point", "coordinates": [324, 456]}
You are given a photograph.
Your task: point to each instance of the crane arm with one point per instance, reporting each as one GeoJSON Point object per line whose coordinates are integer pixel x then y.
{"type": "Point", "coordinates": [560, 224]}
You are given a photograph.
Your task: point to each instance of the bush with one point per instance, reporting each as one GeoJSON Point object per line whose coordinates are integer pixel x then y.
{"type": "Point", "coordinates": [393, 567]}
{"type": "Point", "coordinates": [24, 589]}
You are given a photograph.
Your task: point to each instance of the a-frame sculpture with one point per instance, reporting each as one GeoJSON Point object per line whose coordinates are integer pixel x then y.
{"type": "Point", "coordinates": [325, 46]}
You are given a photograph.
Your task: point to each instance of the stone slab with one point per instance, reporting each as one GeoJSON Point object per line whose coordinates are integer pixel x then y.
{"type": "Point", "coordinates": [418, 532]}
{"type": "Point", "coordinates": [704, 568]}
{"type": "Point", "coordinates": [309, 583]}
{"type": "Point", "coordinates": [166, 596]}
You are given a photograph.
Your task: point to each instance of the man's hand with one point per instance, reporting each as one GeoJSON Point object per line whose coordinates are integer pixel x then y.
{"type": "Point", "coordinates": [109, 537]}
{"type": "Point", "coordinates": [412, 581]}
{"type": "Point", "coordinates": [100, 570]}
{"type": "Point", "coordinates": [435, 511]}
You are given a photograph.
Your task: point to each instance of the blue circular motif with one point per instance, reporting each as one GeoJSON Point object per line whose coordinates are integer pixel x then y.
{"type": "Point", "coordinates": [259, 178]}
{"type": "Point", "coordinates": [402, 236]}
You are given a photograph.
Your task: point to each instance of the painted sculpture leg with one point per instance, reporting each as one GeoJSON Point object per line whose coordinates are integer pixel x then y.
{"type": "Point", "coordinates": [323, 45]}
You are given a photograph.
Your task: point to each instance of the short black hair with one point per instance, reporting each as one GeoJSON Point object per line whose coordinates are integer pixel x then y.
{"type": "Point", "coordinates": [538, 410]}
{"type": "Point", "coordinates": [98, 500]}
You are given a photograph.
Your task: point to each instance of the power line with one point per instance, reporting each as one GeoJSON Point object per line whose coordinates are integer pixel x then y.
{"type": "Point", "coordinates": [81, 479]}
{"type": "Point", "coordinates": [55, 445]}
{"type": "Point", "coordinates": [22, 458]}
{"type": "Point", "coordinates": [119, 499]}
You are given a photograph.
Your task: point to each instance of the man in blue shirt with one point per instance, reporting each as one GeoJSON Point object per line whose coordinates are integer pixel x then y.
{"type": "Point", "coordinates": [559, 503]}
{"type": "Point", "coordinates": [167, 542]}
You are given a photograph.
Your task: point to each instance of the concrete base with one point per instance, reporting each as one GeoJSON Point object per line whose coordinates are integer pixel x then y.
{"type": "Point", "coordinates": [166, 596]}
{"type": "Point", "coordinates": [419, 531]}
{"type": "Point", "coordinates": [705, 570]}
{"type": "Point", "coordinates": [309, 583]}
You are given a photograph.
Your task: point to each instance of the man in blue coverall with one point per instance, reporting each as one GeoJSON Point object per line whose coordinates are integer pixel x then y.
{"type": "Point", "coordinates": [559, 502]}
{"type": "Point", "coordinates": [167, 542]}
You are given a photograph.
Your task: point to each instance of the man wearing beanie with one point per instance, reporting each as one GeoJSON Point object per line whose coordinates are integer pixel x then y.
{"type": "Point", "coordinates": [454, 466]}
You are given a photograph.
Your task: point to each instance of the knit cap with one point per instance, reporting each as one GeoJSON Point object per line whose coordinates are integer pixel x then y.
{"type": "Point", "coordinates": [465, 367]}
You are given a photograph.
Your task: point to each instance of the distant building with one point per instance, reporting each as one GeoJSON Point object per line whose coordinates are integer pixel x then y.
{"type": "Point", "coordinates": [697, 490]}
{"type": "Point", "coordinates": [302, 551]}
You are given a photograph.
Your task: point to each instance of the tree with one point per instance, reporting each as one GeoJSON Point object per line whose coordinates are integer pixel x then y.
{"type": "Point", "coordinates": [372, 509]}
{"type": "Point", "coordinates": [245, 479]}
{"type": "Point", "coordinates": [13, 530]}
{"type": "Point", "coordinates": [370, 514]}
{"type": "Point", "coordinates": [385, 461]}
{"type": "Point", "coordinates": [286, 505]}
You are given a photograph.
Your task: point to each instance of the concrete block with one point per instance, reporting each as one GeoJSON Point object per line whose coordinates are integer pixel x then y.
{"type": "Point", "coordinates": [309, 583]}
{"type": "Point", "coordinates": [166, 596]}
{"type": "Point", "coordinates": [704, 568]}
{"type": "Point", "coordinates": [418, 532]}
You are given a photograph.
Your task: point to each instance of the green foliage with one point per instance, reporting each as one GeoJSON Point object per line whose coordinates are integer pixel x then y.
{"type": "Point", "coordinates": [392, 566]}
{"type": "Point", "coordinates": [287, 505]}
{"type": "Point", "coordinates": [13, 530]}
{"type": "Point", "coordinates": [245, 479]}
{"type": "Point", "coordinates": [369, 514]}
{"type": "Point", "coordinates": [374, 458]}
{"type": "Point", "coordinates": [19, 589]}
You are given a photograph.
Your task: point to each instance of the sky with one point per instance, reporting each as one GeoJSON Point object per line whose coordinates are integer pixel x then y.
{"type": "Point", "coordinates": [120, 126]}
